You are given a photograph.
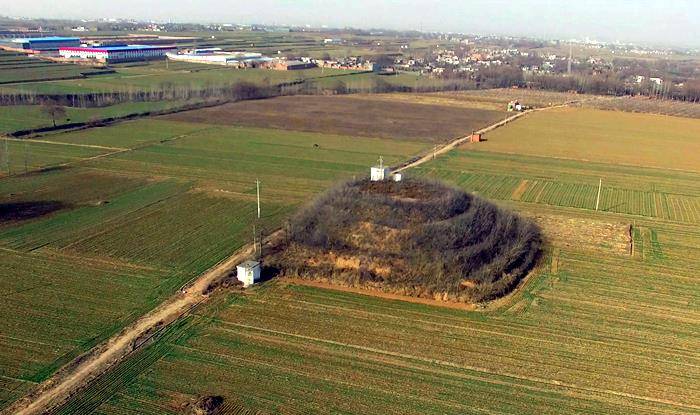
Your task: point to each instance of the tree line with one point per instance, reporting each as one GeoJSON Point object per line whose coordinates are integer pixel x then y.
{"type": "Point", "coordinates": [617, 83]}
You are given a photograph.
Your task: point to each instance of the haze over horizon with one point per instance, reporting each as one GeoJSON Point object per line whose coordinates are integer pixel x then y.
{"type": "Point", "coordinates": [640, 21]}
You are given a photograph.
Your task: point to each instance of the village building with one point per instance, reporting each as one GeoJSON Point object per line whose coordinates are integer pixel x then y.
{"type": "Point", "coordinates": [284, 65]}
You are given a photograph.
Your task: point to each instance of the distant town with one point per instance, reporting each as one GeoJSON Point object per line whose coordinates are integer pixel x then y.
{"type": "Point", "coordinates": [575, 65]}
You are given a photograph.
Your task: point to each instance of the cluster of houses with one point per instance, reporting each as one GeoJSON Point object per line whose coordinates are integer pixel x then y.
{"type": "Point", "coordinates": [349, 63]}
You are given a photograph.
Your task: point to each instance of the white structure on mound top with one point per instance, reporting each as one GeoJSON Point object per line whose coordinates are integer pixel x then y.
{"type": "Point", "coordinates": [379, 173]}
{"type": "Point", "coordinates": [248, 272]}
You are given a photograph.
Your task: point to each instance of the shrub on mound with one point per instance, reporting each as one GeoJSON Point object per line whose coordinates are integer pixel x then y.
{"type": "Point", "coordinates": [413, 237]}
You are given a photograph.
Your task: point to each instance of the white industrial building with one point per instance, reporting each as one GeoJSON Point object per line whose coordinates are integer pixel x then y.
{"type": "Point", "coordinates": [49, 43]}
{"type": "Point", "coordinates": [248, 272]}
{"type": "Point", "coordinates": [114, 54]}
{"type": "Point", "coordinates": [215, 56]}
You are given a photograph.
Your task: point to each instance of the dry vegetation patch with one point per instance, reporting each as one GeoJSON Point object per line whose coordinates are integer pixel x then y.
{"type": "Point", "coordinates": [345, 115]}
{"type": "Point", "coordinates": [415, 238]}
{"type": "Point", "coordinates": [501, 96]}
{"type": "Point", "coordinates": [442, 99]}
{"type": "Point", "coordinates": [20, 211]}
{"type": "Point", "coordinates": [585, 233]}
{"type": "Point", "coordinates": [650, 105]}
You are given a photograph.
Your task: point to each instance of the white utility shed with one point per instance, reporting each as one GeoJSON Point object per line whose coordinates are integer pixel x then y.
{"type": "Point", "coordinates": [379, 173]}
{"type": "Point", "coordinates": [248, 272]}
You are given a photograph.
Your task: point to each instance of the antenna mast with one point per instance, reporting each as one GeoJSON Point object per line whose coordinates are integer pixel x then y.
{"type": "Point", "coordinates": [7, 156]}
{"type": "Point", "coordinates": [257, 187]}
{"type": "Point", "coordinates": [255, 242]}
{"type": "Point", "coordinates": [26, 155]}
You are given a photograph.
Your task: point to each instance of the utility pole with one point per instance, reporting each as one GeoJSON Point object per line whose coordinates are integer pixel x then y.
{"type": "Point", "coordinates": [632, 227]}
{"type": "Point", "coordinates": [7, 156]}
{"type": "Point", "coordinates": [26, 156]}
{"type": "Point", "coordinates": [255, 242]}
{"type": "Point", "coordinates": [257, 186]}
{"type": "Point", "coordinates": [600, 187]}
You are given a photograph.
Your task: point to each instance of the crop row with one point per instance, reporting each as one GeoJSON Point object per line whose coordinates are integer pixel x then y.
{"type": "Point", "coordinates": [125, 373]}
{"type": "Point", "coordinates": [648, 203]}
{"type": "Point", "coordinates": [199, 230]}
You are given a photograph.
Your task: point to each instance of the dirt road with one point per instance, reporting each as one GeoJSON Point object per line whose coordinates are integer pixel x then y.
{"type": "Point", "coordinates": [82, 370]}
{"type": "Point", "coordinates": [77, 374]}
{"type": "Point", "coordinates": [456, 143]}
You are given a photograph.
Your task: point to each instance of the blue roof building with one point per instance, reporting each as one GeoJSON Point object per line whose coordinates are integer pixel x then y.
{"type": "Point", "coordinates": [114, 54]}
{"type": "Point", "coordinates": [43, 43]}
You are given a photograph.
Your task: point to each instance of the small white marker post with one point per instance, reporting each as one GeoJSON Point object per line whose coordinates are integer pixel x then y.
{"type": "Point", "coordinates": [597, 202]}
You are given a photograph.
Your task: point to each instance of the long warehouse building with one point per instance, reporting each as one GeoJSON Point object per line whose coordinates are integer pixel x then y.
{"type": "Point", "coordinates": [41, 43]}
{"type": "Point", "coordinates": [216, 56]}
{"type": "Point", "coordinates": [116, 54]}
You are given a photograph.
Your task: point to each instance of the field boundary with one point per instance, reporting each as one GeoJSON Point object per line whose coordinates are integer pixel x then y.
{"type": "Point", "coordinates": [104, 122]}
{"type": "Point", "coordinates": [379, 294]}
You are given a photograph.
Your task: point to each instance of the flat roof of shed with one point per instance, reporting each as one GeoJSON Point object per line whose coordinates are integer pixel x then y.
{"type": "Point", "coordinates": [45, 39]}
{"type": "Point", "coordinates": [117, 48]}
{"type": "Point", "coordinates": [249, 264]}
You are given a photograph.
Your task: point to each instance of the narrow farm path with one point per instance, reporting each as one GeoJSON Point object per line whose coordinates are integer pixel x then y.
{"type": "Point", "coordinates": [78, 373]}
{"type": "Point", "coordinates": [72, 377]}
{"type": "Point", "coordinates": [459, 141]}
{"type": "Point", "coordinates": [61, 143]}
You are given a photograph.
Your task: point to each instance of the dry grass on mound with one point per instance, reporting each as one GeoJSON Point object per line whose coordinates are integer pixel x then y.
{"type": "Point", "coordinates": [414, 237]}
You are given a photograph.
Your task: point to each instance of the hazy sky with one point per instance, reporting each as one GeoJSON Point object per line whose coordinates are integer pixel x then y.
{"type": "Point", "coordinates": [658, 21]}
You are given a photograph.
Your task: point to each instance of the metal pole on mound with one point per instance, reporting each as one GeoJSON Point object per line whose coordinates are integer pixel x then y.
{"type": "Point", "coordinates": [7, 156]}
{"type": "Point", "coordinates": [257, 188]}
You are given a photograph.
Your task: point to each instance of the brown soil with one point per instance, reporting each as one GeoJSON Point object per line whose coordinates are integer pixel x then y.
{"type": "Point", "coordinates": [348, 116]}
{"type": "Point", "coordinates": [518, 192]}
{"type": "Point", "coordinates": [591, 234]}
{"type": "Point", "coordinates": [380, 294]}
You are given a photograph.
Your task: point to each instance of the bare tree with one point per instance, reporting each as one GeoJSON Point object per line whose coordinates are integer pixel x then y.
{"type": "Point", "coordinates": [54, 111]}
